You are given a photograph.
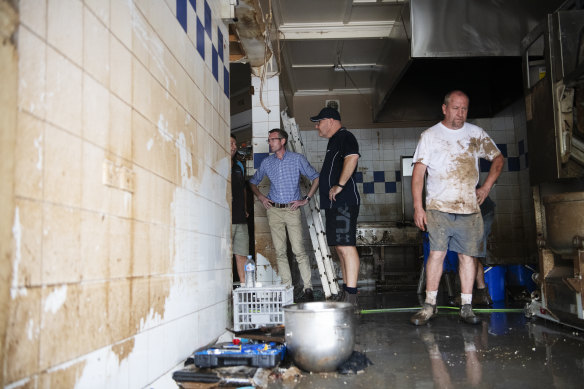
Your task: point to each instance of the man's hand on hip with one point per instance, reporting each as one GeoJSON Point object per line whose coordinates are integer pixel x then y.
{"type": "Point", "coordinates": [266, 202]}
{"type": "Point", "coordinates": [294, 205]}
{"type": "Point", "coordinates": [482, 194]}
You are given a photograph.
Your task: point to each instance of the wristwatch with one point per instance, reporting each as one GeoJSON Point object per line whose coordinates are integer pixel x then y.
{"type": "Point", "coordinates": [307, 197]}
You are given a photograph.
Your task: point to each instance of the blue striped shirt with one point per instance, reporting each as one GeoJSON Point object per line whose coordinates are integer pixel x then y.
{"type": "Point", "coordinates": [284, 175]}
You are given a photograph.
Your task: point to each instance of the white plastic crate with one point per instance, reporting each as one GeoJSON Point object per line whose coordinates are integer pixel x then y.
{"type": "Point", "coordinates": [260, 307]}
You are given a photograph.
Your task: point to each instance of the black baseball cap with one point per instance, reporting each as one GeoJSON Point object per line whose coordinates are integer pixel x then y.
{"type": "Point", "coordinates": [326, 113]}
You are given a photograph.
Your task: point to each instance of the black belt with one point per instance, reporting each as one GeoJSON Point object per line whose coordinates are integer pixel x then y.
{"type": "Point", "coordinates": [278, 205]}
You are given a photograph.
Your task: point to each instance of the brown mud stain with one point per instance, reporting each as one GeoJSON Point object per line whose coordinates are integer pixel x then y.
{"type": "Point", "coordinates": [122, 350]}
{"type": "Point", "coordinates": [62, 378]}
{"type": "Point", "coordinates": [489, 148]}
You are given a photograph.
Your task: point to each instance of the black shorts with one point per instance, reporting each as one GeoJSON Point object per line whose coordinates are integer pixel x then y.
{"type": "Point", "coordinates": [341, 225]}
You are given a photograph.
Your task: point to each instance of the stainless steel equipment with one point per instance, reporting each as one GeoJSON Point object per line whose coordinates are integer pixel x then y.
{"type": "Point", "coordinates": [319, 335]}
{"type": "Point", "coordinates": [434, 45]}
{"type": "Point", "coordinates": [389, 252]}
{"type": "Point", "coordinates": [387, 234]}
{"type": "Point", "coordinates": [553, 66]}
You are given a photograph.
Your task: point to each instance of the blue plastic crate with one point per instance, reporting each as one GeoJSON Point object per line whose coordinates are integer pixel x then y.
{"type": "Point", "coordinates": [257, 355]}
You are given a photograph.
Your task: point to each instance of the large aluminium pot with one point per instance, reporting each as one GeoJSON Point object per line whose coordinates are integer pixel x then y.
{"type": "Point", "coordinates": [319, 335]}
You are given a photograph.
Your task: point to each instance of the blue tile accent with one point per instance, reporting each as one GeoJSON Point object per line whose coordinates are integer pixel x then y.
{"type": "Point", "coordinates": [521, 147]}
{"type": "Point", "coordinates": [378, 176]}
{"type": "Point", "coordinates": [526, 161]}
{"type": "Point", "coordinates": [398, 175]}
{"type": "Point", "coordinates": [214, 67]}
{"type": "Point", "coordinates": [220, 44]}
{"type": "Point", "coordinates": [200, 39]}
{"type": "Point", "coordinates": [503, 148]}
{"type": "Point", "coordinates": [359, 176]}
{"type": "Point", "coordinates": [205, 32]}
{"type": "Point", "coordinates": [368, 187]}
{"type": "Point", "coordinates": [513, 164]}
{"type": "Point", "coordinates": [484, 165]}
{"type": "Point", "coordinates": [226, 81]}
{"type": "Point", "coordinates": [208, 20]}
{"type": "Point", "coordinates": [258, 158]}
{"type": "Point", "coordinates": [181, 13]}
{"type": "Point", "coordinates": [390, 187]}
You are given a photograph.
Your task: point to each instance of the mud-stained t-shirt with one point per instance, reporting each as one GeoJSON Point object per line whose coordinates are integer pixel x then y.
{"type": "Point", "coordinates": [452, 160]}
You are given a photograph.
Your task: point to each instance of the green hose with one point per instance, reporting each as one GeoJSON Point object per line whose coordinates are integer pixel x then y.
{"type": "Point", "coordinates": [413, 309]}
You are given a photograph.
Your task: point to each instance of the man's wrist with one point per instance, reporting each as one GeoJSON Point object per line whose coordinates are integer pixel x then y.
{"type": "Point", "coordinates": [341, 186]}
{"type": "Point", "coordinates": [307, 197]}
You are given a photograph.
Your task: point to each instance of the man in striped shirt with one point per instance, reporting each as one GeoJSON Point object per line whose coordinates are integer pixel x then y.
{"type": "Point", "coordinates": [283, 168]}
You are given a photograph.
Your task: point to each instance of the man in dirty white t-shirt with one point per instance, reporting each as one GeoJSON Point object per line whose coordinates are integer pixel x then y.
{"type": "Point", "coordinates": [449, 152]}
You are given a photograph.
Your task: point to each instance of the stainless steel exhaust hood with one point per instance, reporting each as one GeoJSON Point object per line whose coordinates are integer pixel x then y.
{"type": "Point", "coordinates": [437, 46]}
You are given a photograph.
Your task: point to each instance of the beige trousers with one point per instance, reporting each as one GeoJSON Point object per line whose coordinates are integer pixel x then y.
{"type": "Point", "coordinates": [280, 220]}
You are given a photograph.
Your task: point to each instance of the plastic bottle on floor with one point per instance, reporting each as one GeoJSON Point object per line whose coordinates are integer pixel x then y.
{"type": "Point", "coordinates": [250, 272]}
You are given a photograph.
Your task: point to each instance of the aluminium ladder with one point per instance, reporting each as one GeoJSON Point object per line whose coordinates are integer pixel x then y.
{"type": "Point", "coordinates": [313, 217]}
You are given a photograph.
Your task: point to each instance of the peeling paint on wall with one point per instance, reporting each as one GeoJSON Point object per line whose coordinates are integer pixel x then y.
{"type": "Point", "coordinates": [186, 162]}
{"type": "Point", "coordinates": [38, 144]}
{"type": "Point", "coordinates": [17, 236]}
{"type": "Point", "coordinates": [155, 49]}
{"type": "Point", "coordinates": [163, 128]}
{"type": "Point", "coordinates": [56, 299]}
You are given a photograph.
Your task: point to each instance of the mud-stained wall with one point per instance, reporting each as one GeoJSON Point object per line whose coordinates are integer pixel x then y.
{"type": "Point", "coordinates": [8, 98]}
{"type": "Point", "coordinates": [117, 254]}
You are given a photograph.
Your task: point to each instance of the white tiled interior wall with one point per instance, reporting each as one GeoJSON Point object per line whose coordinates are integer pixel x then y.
{"type": "Point", "coordinates": [122, 260]}
{"type": "Point", "coordinates": [379, 167]}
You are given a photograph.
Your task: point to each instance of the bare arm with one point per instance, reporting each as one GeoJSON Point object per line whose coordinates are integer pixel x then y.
{"type": "Point", "coordinates": [349, 165]}
{"type": "Point", "coordinates": [494, 172]}
{"type": "Point", "coordinates": [311, 191]}
{"type": "Point", "coordinates": [417, 189]}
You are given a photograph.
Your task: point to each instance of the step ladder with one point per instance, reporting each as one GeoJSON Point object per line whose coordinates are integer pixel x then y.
{"type": "Point", "coordinates": [313, 217]}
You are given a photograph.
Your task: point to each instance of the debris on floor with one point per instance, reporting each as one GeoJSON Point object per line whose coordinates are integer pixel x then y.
{"type": "Point", "coordinates": [356, 364]}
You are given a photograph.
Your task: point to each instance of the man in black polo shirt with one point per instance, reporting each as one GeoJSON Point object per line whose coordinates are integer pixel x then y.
{"type": "Point", "coordinates": [339, 196]}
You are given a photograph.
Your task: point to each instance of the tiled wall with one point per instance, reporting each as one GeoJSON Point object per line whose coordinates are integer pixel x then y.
{"type": "Point", "coordinates": [121, 262]}
{"type": "Point", "coordinates": [379, 177]}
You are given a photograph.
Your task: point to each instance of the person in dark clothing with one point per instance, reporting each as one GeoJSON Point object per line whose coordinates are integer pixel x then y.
{"type": "Point", "coordinates": [239, 234]}
{"type": "Point", "coordinates": [339, 196]}
{"type": "Point", "coordinates": [481, 295]}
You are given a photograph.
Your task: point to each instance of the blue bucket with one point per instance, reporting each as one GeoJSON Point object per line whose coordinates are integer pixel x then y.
{"type": "Point", "coordinates": [520, 275]}
{"type": "Point", "coordinates": [450, 261]}
{"type": "Point", "coordinates": [498, 320]}
{"type": "Point", "coordinates": [495, 280]}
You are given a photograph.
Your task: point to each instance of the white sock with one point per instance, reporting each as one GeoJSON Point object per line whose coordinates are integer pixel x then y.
{"type": "Point", "coordinates": [470, 347]}
{"type": "Point", "coordinates": [466, 298]}
{"type": "Point", "coordinates": [431, 296]}
{"type": "Point", "coordinates": [434, 352]}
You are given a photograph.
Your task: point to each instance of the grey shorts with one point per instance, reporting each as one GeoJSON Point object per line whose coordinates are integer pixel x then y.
{"type": "Point", "coordinates": [455, 232]}
{"type": "Point", "coordinates": [240, 238]}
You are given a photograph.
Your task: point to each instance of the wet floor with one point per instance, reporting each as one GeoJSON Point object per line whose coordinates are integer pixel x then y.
{"type": "Point", "coordinates": [506, 350]}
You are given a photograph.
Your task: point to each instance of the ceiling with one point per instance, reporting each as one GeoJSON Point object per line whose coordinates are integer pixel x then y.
{"type": "Point", "coordinates": [332, 46]}
{"type": "Point", "coordinates": [401, 55]}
